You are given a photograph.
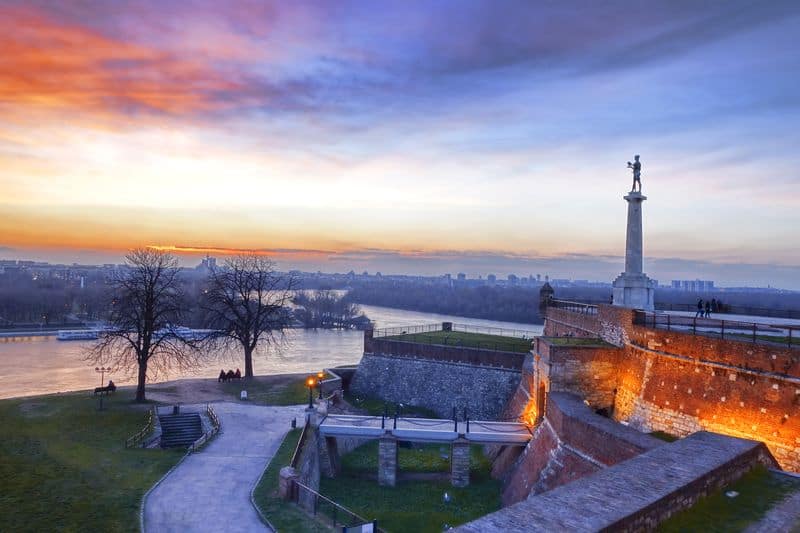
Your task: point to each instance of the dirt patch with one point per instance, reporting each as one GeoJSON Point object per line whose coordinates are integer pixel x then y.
{"type": "Point", "coordinates": [260, 389]}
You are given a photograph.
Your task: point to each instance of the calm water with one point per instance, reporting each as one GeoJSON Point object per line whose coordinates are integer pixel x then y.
{"type": "Point", "coordinates": [38, 365]}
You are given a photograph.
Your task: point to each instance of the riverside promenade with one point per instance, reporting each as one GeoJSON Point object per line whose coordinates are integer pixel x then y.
{"type": "Point", "coordinates": [210, 489]}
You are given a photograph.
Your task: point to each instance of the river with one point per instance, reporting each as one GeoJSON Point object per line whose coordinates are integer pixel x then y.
{"type": "Point", "coordinates": [41, 365]}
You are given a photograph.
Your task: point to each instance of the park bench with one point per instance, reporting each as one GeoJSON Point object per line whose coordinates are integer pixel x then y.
{"type": "Point", "coordinates": [108, 389]}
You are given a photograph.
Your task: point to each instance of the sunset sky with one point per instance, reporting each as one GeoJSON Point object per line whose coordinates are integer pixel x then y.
{"type": "Point", "coordinates": [406, 137]}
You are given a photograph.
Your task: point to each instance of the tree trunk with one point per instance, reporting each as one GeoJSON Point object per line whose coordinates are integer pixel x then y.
{"type": "Point", "coordinates": [140, 383]}
{"type": "Point", "coordinates": [248, 362]}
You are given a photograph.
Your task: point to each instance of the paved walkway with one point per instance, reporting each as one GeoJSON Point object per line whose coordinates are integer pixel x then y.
{"type": "Point", "coordinates": [210, 490]}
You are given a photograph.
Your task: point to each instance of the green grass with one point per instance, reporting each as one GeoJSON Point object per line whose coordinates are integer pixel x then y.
{"type": "Point", "coordinates": [413, 505]}
{"type": "Point", "coordinates": [469, 340]}
{"type": "Point", "coordinates": [662, 435]}
{"type": "Point", "coordinates": [758, 491]}
{"type": "Point", "coordinates": [576, 341]}
{"type": "Point", "coordinates": [777, 339]}
{"type": "Point", "coordinates": [64, 465]}
{"type": "Point", "coordinates": [375, 407]}
{"type": "Point", "coordinates": [292, 391]}
{"type": "Point", "coordinates": [284, 516]}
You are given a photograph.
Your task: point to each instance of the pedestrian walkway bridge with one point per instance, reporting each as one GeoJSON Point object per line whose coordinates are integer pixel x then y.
{"type": "Point", "coordinates": [425, 429]}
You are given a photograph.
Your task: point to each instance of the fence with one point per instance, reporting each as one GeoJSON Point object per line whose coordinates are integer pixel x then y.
{"type": "Point", "coordinates": [756, 332]}
{"type": "Point", "coordinates": [325, 508]}
{"type": "Point", "coordinates": [137, 439]}
{"type": "Point", "coordinates": [575, 307]}
{"type": "Point", "coordinates": [461, 336]}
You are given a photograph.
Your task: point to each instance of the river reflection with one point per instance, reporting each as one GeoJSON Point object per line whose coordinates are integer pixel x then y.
{"type": "Point", "coordinates": [39, 365]}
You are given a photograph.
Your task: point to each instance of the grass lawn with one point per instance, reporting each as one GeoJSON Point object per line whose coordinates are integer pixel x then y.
{"type": "Point", "coordinates": [64, 465]}
{"type": "Point", "coordinates": [375, 407]}
{"type": "Point", "coordinates": [663, 435]}
{"type": "Point", "coordinates": [469, 340]}
{"type": "Point", "coordinates": [284, 516]}
{"type": "Point", "coordinates": [758, 491]}
{"type": "Point", "coordinates": [290, 391]}
{"type": "Point", "coordinates": [413, 505]}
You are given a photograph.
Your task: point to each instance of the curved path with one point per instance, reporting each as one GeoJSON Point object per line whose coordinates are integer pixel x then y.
{"type": "Point", "coordinates": [210, 489]}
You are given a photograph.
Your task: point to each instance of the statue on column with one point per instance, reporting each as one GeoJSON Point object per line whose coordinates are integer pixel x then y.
{"type": "Point", "coordinates": [637, 173]}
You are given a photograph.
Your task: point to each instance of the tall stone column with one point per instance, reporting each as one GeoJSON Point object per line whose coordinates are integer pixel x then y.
{"type": "Point", "coordinates": [387, 461]}
{"type": "Point", "coordinates": [633, 288]}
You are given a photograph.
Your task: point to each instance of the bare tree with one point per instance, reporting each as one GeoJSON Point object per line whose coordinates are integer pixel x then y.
{"type": "Point", "coordinates": [148, 301]}
{"type": "Point", "coordinates": [245, 304]}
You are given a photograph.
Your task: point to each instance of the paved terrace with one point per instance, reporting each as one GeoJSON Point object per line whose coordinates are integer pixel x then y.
{"type": "Point", "coordinates": [426, 429]}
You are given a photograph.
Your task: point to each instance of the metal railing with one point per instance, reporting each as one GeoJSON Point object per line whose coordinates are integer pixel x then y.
{"type": "Point", "coordinates": [215, 427]}
{"type": "Point", "coordinates": [406, 330]}
{"type": "Point", "coordinates": [729, 309]}
{"type": "Point", "coordinates": [299, 448]}
{"type": "Point", "coordinates": [137, 439]}
{"type": "Point", "coordinates": [504, 340]}
{"type": "Point", "coordinates": [575, 307]}
{"type": "Point", "coordinates": [756, 332]}
{"type": "Point", "coordinates": [325, 508]}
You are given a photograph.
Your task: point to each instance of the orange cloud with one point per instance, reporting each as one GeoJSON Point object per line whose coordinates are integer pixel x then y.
{"type": "Point", "coordinates": [48, 64]}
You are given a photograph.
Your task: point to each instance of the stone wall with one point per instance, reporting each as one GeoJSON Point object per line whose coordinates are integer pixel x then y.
{"type": "Point", "coordinates": [438, 385]}
{"type": "Point", "coordinates": [677, 382]}
{"type": "Point", "coordinates": [586, 370]}
{"type": "Point", "coordinates": [571, 442]}
{"type": "Point", "coordinates": [437, 352]}
{"type": "Point", "coordinates": [634, 495]}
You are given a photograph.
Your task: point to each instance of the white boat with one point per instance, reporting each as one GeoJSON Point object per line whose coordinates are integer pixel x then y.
{"type": "Point", "coordinates": [77, 334]}
{"type": "Point", "coordinates": [182, 332]}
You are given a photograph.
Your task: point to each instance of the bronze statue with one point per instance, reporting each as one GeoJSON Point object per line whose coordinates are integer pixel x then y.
{"type": "Point", "coordinates": [637, 173]}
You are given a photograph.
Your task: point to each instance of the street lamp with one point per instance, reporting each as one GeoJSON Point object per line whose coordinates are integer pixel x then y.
{"type": "Point", "coordinates": [310, 384]}
{"type": "Point", "coordinates": [320, 375]}
{"type": "Point", "coordinates": [102, 371]}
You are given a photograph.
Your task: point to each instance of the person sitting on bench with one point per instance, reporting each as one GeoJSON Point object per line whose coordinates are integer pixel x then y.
{"type": "Point", "coordinates": [108, 389]}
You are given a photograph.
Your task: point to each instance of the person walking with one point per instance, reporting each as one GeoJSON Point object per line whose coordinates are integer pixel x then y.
{"type": "Point", "coordinates": [699, 312]}
{"type": "Point", "coordinates": [708, 309]}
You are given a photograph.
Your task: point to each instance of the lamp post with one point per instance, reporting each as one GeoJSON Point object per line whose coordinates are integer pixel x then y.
{"type": "Point", "coordinates": [102, 371]}
{"type": "Point", "coordinates": [320, 375]}
{"type": "Point", "coordinates": [310, 384]}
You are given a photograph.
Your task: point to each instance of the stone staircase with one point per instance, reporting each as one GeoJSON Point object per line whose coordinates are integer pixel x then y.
{"type": "Point", "coordinates": [180, 430]}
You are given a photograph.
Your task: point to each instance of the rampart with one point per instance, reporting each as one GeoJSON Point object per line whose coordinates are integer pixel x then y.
{"type": "Point", "coordinates": [634, 495]}
{"type": "Point", "coordinates": [675, 381]}
{"type": "Point", "coordinates": [570, 442]}
{"type": "Point", "coordinates": [436, 384]}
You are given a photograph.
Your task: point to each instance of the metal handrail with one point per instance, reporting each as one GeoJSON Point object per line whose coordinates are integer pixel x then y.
{"type": "Point", "coordinates": [205, 437]}
{"type": "Point", "coordinates": [575, 307]}
{"type": "Point", "coordinates": [755, 332]}
{"type": "Point", "coordinates": [298, 449]}
{"type": "Point", "coordinates": [337, 508]}
{"type": "Point", "coordinates": [135, 439]}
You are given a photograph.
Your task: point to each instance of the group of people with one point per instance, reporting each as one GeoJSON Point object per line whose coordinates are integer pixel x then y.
{"type": "Point", "coordinates": [704, 309]}
{"type": "Point", "coordinates": [230, 375]}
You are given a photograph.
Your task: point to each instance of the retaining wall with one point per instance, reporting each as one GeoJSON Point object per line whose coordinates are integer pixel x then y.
{"type": "Point", "coordinates": [438, 385]}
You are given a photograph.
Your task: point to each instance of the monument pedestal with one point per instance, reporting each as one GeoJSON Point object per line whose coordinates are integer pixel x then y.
{"type": "Point", "coordinates": [633, 288]}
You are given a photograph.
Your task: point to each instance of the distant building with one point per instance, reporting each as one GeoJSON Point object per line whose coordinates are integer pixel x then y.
{"type": "Point", "coordinates": [692, 285]}
{"type": "Point", "coordinates": [513, 279]}
{"type": "Point", "coordinates": [461, 276]}
{"type": "Point", "coordinates": [491, 278]}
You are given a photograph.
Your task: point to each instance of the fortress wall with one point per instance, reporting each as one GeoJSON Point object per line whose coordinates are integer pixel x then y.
{"type": "Point", "coordinates": [680, 397]}
{"type": "Point", "coordinates": [437, 352]}
{"type": "Point", "coordinates": [634, 495]}
{"type": "Point", "coordinates": [681, 383]}
{"type": "Point", "coordinates": [438, 385]}
{"type": "Point", "coordinates": [570, 442]}
{"type": "Point", "coordinates": [589, 371]}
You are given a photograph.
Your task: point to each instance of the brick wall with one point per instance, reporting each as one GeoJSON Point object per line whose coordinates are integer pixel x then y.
{"type": "Point", "coordinates": [680, 383]}
{"type": "Point", "coordinates": [571, 442]}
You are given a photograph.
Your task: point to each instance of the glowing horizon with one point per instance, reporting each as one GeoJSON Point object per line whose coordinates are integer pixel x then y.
{"type": "Point", "coordinates": [365, 136]}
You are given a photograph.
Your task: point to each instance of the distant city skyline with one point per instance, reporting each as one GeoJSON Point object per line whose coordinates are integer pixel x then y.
{"type": "Point", "coordinates": [407, 137]}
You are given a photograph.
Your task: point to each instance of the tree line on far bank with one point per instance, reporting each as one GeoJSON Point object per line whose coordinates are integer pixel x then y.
{"type": "Point", "coordinates": [243, 305]}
